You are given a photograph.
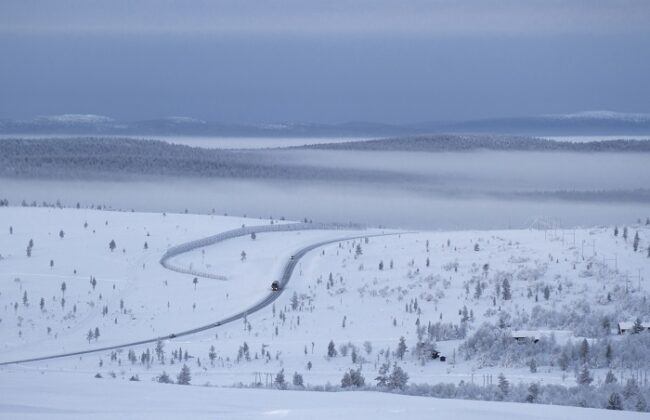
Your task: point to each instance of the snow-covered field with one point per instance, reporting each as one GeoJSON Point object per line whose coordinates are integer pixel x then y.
{"type": "Point", "coordinates": [357, 297]}
{"type": "Point", "coordinates": [35, 396]}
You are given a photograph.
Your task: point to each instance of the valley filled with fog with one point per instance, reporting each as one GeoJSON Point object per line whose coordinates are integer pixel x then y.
{"type": "Point", "coordinates": [402, 189]}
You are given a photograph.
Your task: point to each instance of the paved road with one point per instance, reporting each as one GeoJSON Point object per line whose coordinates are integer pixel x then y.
{"type": "Point", "coordinates": [272, 296]}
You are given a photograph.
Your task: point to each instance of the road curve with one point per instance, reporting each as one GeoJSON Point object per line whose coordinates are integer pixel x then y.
{"type": "Point", "coordinates": [271, 297]}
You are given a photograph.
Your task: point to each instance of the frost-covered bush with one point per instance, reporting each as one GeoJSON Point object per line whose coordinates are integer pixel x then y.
{"type": "Point", "coordinates": [493, 346]}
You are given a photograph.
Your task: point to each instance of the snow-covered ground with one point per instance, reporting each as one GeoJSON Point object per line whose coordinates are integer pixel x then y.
{"type": "Point", "coordinates": [50, 396]}
{"type": "Point", "coordinates": [363, 295]}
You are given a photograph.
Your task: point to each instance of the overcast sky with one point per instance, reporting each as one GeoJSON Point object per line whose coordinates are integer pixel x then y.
{"type": "Point", "coordinates": [323, 61]}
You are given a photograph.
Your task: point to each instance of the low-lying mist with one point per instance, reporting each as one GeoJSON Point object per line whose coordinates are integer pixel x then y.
{"type": "Point", "coordinates": [487, 171]}
{"type": "Point", "coordinates": [432, 190]}
{"type": "Point", "coordinates": [368, 204]}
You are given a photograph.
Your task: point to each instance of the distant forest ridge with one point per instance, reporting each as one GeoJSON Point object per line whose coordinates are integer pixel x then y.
{"type": "Point", "coordinates": [118, 158]}
{"type": "Point", "coordinates": [457, 143]}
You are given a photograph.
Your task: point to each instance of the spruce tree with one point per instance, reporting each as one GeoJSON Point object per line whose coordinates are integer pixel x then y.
{"type": "Point", "coordinates": [331, 349]}
{"type": "Point", "coordinates": [638, 326]}
{"type": "Point", "coordinates": [401, 348]}
{"type": "Point", "coordinates": [533, 393]}
{"type": "Point", "coordinates": [212, 355]}
{"type": "Point", "coordinates": [185, 376]}
{"type": "Point", "coordinates": [279, 380]}
{"type": "Point", "coordinates": [297, 380]}
{"type": "Point", "coordinates": [504, 385]}
{"type": "Point", "coordinates": [615, 402]}
{"type": "Point", "coordinates": [398, 378]}
{"type": "Point", "coordinates": [584, 377]}
{"type": "Point", "coordinates": [507, 294]}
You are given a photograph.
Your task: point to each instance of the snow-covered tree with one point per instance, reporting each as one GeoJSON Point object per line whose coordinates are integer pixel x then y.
{"type": "Point", "coordinates": [398, 378]}
{"type": "Point", "coordinates": [184, 376]}
{"type": "Point", "coordinates": [212, 355]}
{"type": "Point", "coordinates": [160, 351]}
{"type": "Point", "coordinates": [353, 378]}
{"type": "Point", "coordinates": [584, 376]}
{"type": "Point", "coordinates": [297, 380]}
{"type": "Point", "coordinates": [610, 378]}
{"type": "Point", "coordinates": [638, 326]}
{"type": "Point", "coordinates": [401, 348]}
{"type": "Point", "coordinates": [294, 301]}
{"type": "Point", "coordinates": [279, 380]}
{"type": "Point", "coordinates": [615, 402]}
{"type": "Point", "coordinates": [331, 349]}
{"type": "Point", "coordinates": [503, 384]}
{"type": "Point", "coordinates": [505, 287]}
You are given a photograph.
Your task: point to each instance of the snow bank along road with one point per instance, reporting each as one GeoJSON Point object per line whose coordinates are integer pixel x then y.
{"type": "Point", "coordinates": [186, 247]}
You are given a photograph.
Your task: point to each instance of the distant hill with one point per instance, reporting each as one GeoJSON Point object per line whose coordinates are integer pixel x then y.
{"type": "Point", "coordinates": [118, 158]}
{"type": "Point", "coordinates": [584, 123]}
{"type": "Point", "coordinates": [454, 143]}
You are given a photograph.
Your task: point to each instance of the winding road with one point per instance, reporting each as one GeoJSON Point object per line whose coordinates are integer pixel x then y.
{"type": "Point", "coordinates": [270, 298]}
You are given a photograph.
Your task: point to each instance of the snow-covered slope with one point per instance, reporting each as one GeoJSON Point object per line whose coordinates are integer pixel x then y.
{"type": "Point", "coordinates": [347, 305]}
{"type": "Point", "coordinates": [30, 395]}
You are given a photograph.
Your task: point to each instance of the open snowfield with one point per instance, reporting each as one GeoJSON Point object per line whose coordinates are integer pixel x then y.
{"type": "Point", "coordinates": [49, 396]}
{"type": "Point", "coordinates": [362, 295]}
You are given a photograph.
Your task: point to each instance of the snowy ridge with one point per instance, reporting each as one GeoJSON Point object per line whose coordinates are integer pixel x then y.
{"type": "Point", "coordinates": [579, 123]}
{"type": "Point", "coordinates": [602, 115]}
{"type": "Point", "coordinates": [68, 119]}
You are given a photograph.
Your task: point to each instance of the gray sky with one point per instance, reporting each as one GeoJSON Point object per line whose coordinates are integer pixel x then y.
{"type": "Point", "coordinates": [323, 61]}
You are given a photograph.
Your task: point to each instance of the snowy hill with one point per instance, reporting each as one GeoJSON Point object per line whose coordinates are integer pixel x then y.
{"type": "Point", "coordinates": [580, 123]}
{"type": "Point", "coordinates": [64, 288]}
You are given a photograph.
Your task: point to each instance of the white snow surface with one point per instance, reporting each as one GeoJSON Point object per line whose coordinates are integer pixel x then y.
{"type": "Point", "coordinates": [136, 298]}
{"type": "Point", "coordinates": [31, 395]}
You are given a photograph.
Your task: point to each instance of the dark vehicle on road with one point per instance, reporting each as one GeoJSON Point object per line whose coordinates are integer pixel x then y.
{"type": "Point", "coordinates": [275, 286]}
